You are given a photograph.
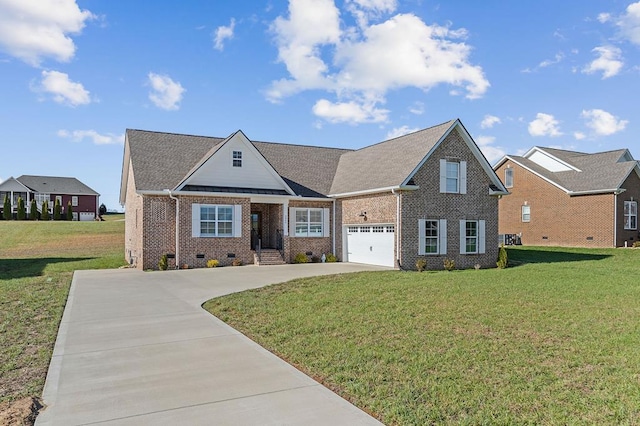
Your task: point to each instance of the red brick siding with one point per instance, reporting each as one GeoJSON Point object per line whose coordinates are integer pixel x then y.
{"type": "Point", "coordinates": [133, 226]}
{"type": "Point", "coordinates": [429, 203]}
{"type": "Point", "coordinates": [563, 220]}
{"type": "Point", "coordinates": [316, 245]}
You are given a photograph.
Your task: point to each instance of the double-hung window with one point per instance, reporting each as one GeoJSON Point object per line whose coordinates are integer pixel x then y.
{"type": "Point", "coordinates": [308, 223]}
{"type": "Point", "coordinates": [630, 215]}
{"type": "Point", "coordinates": [453, 176]}
{"type": "Point", "coordinates": [237, 158]}
{"type": "Point", "coordinates": [74, 201]}
{"type": "Point", "coordinates": [472, 236]}
{"type": "Point", "coordinates": [212, 220]}
{"type": "Point", "coordinates": [432, 236]}
{"type": "Point", "coordinates": [508, 177]}
{"type": "Point", "coordinates": [526, 213]}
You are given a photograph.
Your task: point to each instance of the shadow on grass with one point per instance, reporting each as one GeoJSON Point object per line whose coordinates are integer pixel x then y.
{"type": "Point", "coordinates": [30, 267]}
{"type": "Point", "coordinates": [523, 256]}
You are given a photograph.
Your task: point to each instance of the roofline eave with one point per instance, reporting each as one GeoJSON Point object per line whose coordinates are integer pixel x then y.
{"type": "Point", "coordinates": [375, 191]}
{"type": "Point", "coordinates": [174, 192]}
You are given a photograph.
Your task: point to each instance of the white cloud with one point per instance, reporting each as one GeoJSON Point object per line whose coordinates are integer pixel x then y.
{"type": "Point", "coordinates": [629, 23]}
{"type": "Point", "coordinates": [489, 121]}
{"type": "Point", "coordinates": [544, 125]}
{"type": "Point", "coordinates": [602, 122]}
{"type": "Point", "coordinates": [63, 90]}
{"type": "Point", "coordinates": [362, 64]}
{"type": "Point", "coordinates": [491, 153]}
{"type": "Point", "coordinates": [579, 135]}
{"type": "Point", "coordinates": [93, 136]}
{"type": "Point", "coordinates": [609, 61]}
{"type": "Point", "coordinates": [604, 17]}
{"type": "Point", "coordinates": [351, 112]}
{"type": "Point", "coordinates": [400, 131]}
{"type": "Point", "coordinates": [34, 29]}
{"type": "Point", "coordinates": [223, 33]}
{"type": "Point", "coordinates": [547, 62]}
{"type": "Point", "coordinates": [417, 108]}
{"type": "Point", "coordinates": [364, 10]}
{"type": "Point", "coordinates": [166, 93]}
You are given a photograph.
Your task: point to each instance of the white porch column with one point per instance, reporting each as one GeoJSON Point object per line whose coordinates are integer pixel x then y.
{"type": "Point", "coordinates": [285, 218]}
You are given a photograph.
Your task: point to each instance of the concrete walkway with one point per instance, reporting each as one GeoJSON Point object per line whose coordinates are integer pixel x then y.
{"type": "Point", "coordinates": [137, 348]}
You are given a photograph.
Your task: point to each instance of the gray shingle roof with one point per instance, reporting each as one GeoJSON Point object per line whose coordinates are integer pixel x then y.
{"type": "Point", "coordinates": [598, 172]}
{"type": "Point", "coordinates": [56, 185]}
{"type": "Point", "coordinates": [387, 163]}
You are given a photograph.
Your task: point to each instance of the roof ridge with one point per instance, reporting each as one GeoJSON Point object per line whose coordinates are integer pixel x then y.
{"type": "Point", "coordinates": [178, 134]}
{"type": "Point", "coordinates": [403, 136]}
{"type": "Point", "coordinates": [302, 145]}
{"type": "Point", "coordinates": [48, 176]}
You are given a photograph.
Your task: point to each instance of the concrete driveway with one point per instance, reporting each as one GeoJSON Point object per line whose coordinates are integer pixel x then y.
{"type": "Point", "coordinates": [137, 348]}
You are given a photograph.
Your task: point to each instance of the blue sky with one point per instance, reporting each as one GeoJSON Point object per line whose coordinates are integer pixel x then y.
{"type": "Point", "coordinates": [337, 73]}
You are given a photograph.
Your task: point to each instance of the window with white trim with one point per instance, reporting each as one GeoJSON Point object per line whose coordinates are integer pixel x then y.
{"type": "Point", "coordinates": [309, 223]}
{"type": "Point", "coordinates": [453, 176]}
{"type": "Point", "coordinates": [237, 158]}
{"type": "Point", "coordinates": [630, 215]}
{"type": "Point", "coordinates": [74, 201]}
{"type": "Point", "coordinates": [41, 197]}
{"type": "Point", "coordinates": [508, 177]}
{"type": "Point", "coordinates": [526, 213]}
{"type": "Point", "coordinates": [472, 237]}
{"type": "Point", "coordinates": [432, 236]}
{"type": "Point", "coordinates": [216, 221]}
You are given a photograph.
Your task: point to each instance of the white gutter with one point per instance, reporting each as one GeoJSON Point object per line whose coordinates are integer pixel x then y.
{"type": "Point", "coordinates": [233, 195]}
{"type": "Point", "coordinates": [398, 230]}
{"type": "Point", "coordinates": [598, 191]}
{"type": "Point", "coordinates": [376, 190]}
{"type": "Point", "coordinates": [177, 228]}
{"type": "Point", "coordinates": [615, 219]}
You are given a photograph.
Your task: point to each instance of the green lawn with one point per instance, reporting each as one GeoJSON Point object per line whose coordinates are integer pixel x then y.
{"type": "Point", "coordinates": [37, 260]}
{"type": "Point", "coordinates": [555, 339]}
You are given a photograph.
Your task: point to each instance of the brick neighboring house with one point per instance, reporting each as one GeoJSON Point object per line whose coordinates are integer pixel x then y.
{"type": "Point", "coordinates": [84, 200]}
{"type": "Point", "coordinates": [567, 198]}
{"type": "Point", "coordinates": [428, 194]}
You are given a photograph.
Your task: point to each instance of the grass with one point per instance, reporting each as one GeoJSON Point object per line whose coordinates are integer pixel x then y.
{"type": "Point", "coordinates": [552, 340]}
{"type": "Point", "coordinates": [37, 260]}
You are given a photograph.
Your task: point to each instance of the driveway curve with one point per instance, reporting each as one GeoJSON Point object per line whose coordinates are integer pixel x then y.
{"type": "Point", "coordinates": [137, 348]}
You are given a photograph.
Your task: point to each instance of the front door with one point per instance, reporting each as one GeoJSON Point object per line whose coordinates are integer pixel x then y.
{"type": "Point", "coordinates": [256, 229]}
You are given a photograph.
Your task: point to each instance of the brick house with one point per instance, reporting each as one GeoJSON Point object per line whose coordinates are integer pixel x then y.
{"type": "Point", "coordinates": [567, 198]}
{"type": "Point", "coordinates": [84, 200]}
{"type": "Point", "coordinates": [428, 194]}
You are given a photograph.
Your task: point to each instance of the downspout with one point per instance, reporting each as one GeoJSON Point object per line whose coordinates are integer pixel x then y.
{"type": "Point", "coordinates": [398, 230]}
{"type": "Point", "coordinates": [177, 227]}
{"type": "Point", "coordinates": [333, 233]}
{"type": "Point", "coordinates": [615, 219]}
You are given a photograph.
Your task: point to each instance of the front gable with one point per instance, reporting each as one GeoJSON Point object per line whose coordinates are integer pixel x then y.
{"type": "Point", "coordinates": [234, 165]}
{"type": "Point", "coordinates": [13, 184]}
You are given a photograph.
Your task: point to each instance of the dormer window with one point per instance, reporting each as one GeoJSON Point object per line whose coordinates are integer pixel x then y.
{"type": "Point", "coordinates": [237, 158]}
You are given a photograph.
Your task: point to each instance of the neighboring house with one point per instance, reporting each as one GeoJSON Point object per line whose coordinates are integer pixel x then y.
{"type": "Point", "coordinates": [84, 200]}
{"type": "Point", "coordinates": [566, 198]}
{"type": "Point", "coordinates": [428, 194]}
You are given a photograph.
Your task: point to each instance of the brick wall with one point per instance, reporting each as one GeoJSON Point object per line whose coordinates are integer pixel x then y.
{"type": "Point", "coordinates": [429, 203]}
{"type": "Point", "coordinates": [556, 218]}
{"type": "Point", "coordinates": [133, 225]}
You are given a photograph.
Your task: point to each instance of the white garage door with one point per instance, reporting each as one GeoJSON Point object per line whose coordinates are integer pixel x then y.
{"type": "Point", "coordinates": [86, 216]}
{"type": "Point", "coordinates": [370, 244]}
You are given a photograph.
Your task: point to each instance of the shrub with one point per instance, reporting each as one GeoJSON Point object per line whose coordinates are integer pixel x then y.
{"type": "Point", "coordinates": [69, 211]}
{"type": "Point", "coordinates": [315, 259]}
{"type": "Point", "coordinates": [163, 264]}
{"type": "Point", "coordinates": [236, 262]}
{"type": "Point", "coordinates": [45, 211]}
{"type": "Point", "coordinates": [33, 210]}
{"type": "Point", "coordinates": [22, 213]}
{"type": "Point", "coordinates": [477, 266]}
{"type": "Point", "coordinates": [6, 212]}
{"type": "Point", "coordinates": [57, 210]}
{"type": "Point", "coordinates": [212, 263]}
{"type": "Point", "coordinates": [449, 264]}
{"type": "Point", "coordinates": [421, 264]}
{"type": "Point", "coordinates": [300, 258]}
{"type": "Point", "coordinates": [330, 257]}
{"type": "Point", "coordinates": [503, 260]}
{"type": "Point", "coordinates": [102, 210]}
{"type": "Point", "coordinates": [636, 244]}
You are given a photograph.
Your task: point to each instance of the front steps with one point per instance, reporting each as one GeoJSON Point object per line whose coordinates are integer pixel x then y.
{"type": "Point", "coordinates": [268, 257]}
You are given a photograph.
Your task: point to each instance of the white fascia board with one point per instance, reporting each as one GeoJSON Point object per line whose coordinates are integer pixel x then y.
{"type": "Point", "coordinates": [124, 177]}
{"type": "Point", "coordinates": [598, 191]}
{"type": "Point", "coordinates": [255, 198]}
{"type": "Point", "coordinates": [375, 191]}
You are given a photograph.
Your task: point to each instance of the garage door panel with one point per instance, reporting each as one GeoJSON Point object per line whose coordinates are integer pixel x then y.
{"type": "Point", "coordinates": [366, 246]}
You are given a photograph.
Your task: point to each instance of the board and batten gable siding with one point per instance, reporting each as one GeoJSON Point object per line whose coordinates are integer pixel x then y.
{"type": "Point", "coordinates": [556, 218]}
{"type": "Point", "coordinates": [429, 203]}
{"type": "Point", "coordinates": [254, 172]}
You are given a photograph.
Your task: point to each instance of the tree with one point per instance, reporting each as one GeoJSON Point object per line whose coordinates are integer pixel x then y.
{"type": "Point", "coordinates": [102, 210]}
{"type": "Point", "coordinates": [57, 210]}
{"type": "Point", "coordinates": [6, 212]}
{"type": "Point", "coordinates": [69, 211]}
{"type": "Point", "coordinates": [33, 209]}
{"type": "Point", "coordinates": [45, 211]}
{"type": "Point", "coordinates": [22, 214]}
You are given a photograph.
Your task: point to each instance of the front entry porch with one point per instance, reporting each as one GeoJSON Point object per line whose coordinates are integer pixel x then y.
{"type": "Point", "coordinates": [267, 233]}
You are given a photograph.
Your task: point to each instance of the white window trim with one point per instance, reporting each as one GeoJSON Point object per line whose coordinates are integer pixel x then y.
{"type": "Point", "coordinates": [235, 158]}
{"type": "Point", "coordinates": [528, 213]}
{"type": "Point", "coordinates": [74, 201]}
{"type": "Point", "coordinates": [236, 221]}
{"type": "Point", "coordinates": [508, 180]}
{"type": "Point", "coordinates": [481, 243]}
{"type": "Point", "coordinates": [628, 216]}
{"type": "Point", "coordinates": [442, 237]}
{"type": "Point", "coordinates": [462, 177]}
{"type": "Point", "coordinates": [325, 222]}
